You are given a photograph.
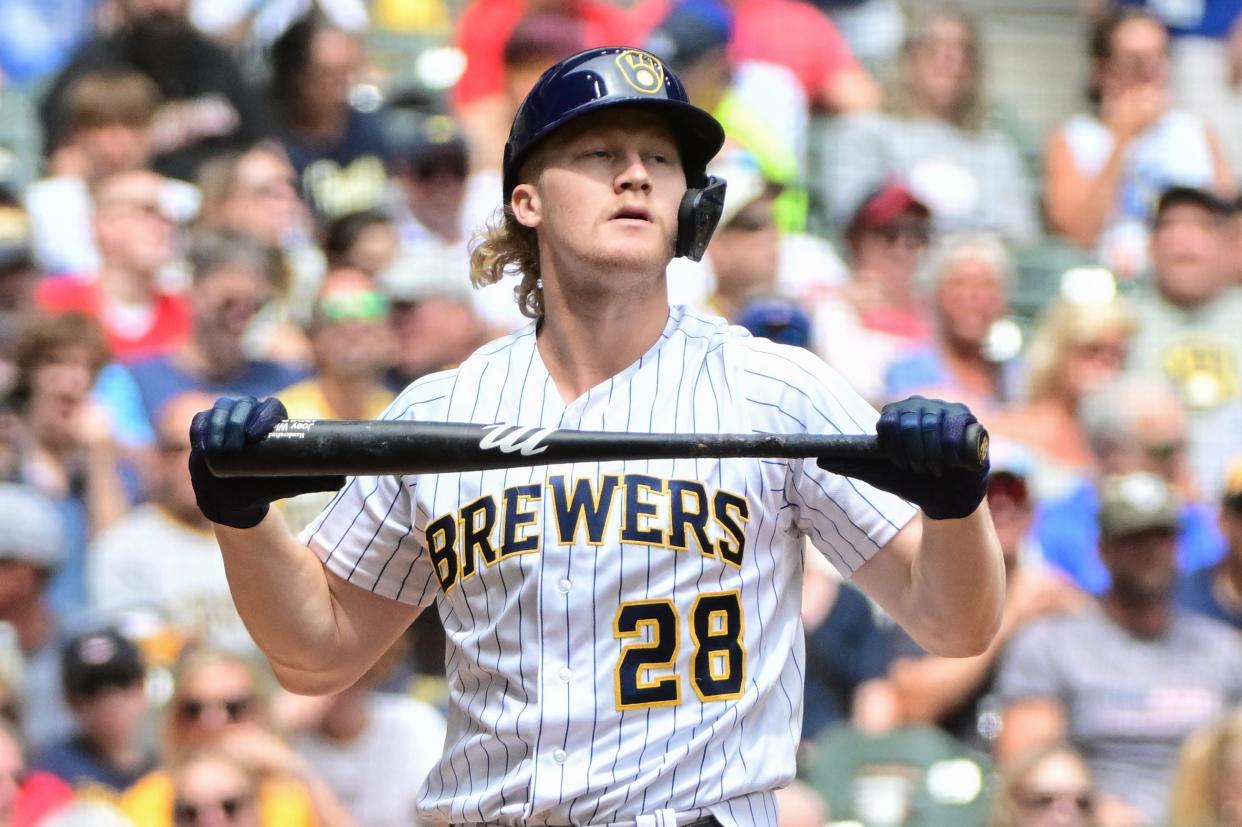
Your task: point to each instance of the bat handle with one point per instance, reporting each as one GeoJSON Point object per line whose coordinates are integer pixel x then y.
{"type": "Point", "coordinates": [975, 452]}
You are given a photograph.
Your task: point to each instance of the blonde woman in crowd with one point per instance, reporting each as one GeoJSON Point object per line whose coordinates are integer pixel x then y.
{"type": "Point", "coordinates": [1075, 347]}
{"type": "Point", "coordinates": [1207, 788]}
{"type": "Point", "coordinates": [219, 701]}
{"type": "Point", "coordinates": [1050, 786]}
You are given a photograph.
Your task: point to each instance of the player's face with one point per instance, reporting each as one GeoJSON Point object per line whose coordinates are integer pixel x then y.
{"type": "Point", "coordinates": [607, 195]}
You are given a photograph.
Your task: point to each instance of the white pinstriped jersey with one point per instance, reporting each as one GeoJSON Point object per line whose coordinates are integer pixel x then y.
{"type": "Point", "coordinates": [623, 637]}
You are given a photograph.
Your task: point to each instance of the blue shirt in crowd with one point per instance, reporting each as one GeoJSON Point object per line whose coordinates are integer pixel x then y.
{"type": "Point", "coordinates": [1194, 592]}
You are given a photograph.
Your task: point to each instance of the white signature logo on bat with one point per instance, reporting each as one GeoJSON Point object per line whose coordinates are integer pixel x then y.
{"type": "Point", "coordinates": [523, 439]}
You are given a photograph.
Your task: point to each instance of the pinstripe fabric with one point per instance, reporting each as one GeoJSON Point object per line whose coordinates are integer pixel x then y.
{"type": "Point", "coordinates": [537, 734]}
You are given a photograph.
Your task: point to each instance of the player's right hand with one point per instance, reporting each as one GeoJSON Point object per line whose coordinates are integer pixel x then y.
{"type": "Point", "coordinates": [230, 425]}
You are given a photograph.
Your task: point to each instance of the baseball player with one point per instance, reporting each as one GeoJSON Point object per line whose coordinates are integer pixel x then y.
{"type": "Point", "coordinates": [624, 641]}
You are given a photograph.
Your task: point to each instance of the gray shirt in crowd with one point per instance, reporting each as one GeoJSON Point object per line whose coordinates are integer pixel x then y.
{"type": "Point", "coordinates": [1129, 702]}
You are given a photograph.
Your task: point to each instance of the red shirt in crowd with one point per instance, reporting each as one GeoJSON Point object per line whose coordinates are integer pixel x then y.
{"type": "Point", "coordinates": [169, 321]}
{"type": "Point", "coordinates": [485, 27]}
{"type": "Point", "coordinates": [792, 34]}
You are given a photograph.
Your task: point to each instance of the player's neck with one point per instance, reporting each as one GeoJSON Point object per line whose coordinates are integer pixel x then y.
{"type": "Point", "coordinates": [589, 341]}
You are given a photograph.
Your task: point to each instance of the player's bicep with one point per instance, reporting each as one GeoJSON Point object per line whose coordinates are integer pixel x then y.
{"type": "Point", "coordinates": [886, 578]}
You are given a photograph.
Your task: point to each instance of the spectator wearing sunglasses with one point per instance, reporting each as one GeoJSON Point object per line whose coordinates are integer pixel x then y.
{"type": "Point", "coordinates": [878, 316]}
{"type": "Point", "coordinates": [1048, 787]}
{"type": "Point", "coordinates": [217, 703]}
{"type": "Point", "coordinates": [352, 344]}
{"type": "Point", "coordinates": [102, 673]}
{"type": "Point", "coordinates": [213, 789]}
{"type": "Point", "coordinates": [1131, 424]}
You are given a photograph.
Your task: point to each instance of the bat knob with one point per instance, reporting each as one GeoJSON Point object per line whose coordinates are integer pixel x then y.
{"type": "Point", "coordinates": [975, 453]}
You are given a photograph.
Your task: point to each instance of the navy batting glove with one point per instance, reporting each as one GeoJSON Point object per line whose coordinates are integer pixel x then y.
{"type": "Point", "coordinates": [924, 439]}
{"type": "Point", "coordinates": [231, 424]}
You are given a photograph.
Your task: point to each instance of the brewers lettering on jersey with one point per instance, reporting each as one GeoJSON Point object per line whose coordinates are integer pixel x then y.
{"type": "Point", "coordinates": [625, 644]}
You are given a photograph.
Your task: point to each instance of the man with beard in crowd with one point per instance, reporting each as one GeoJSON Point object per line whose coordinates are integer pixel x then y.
{"type": "Point", "coordinates": [206, 107]}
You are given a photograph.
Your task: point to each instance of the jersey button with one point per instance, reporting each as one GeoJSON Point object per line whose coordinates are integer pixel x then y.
{"type": "Point", "coordinates": [565, 674]}
{"type": "Point", "coordinates": [564, 586]}
{"type": "Point", "coordinates": [559, 756]}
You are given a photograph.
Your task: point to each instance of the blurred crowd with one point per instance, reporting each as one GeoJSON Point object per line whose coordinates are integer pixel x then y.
{"type": "Point", "coordinates": [277, 197]}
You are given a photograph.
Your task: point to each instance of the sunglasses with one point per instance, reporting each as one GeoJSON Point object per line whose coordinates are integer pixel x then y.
{"type": "Point", "coordinates": [918, 232]}
{"type": "Point", "coordinates": [191, 710]}
{"type": "Point", "coordinates": [353, 304]}
{"type": "Point", "coordinates": [188, 813]}
{"type": "Point", "coordinates": [1083, 802]}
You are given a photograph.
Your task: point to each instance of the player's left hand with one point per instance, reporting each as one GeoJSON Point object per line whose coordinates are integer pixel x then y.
{"type": "Point", "coordinates": [924, 439]}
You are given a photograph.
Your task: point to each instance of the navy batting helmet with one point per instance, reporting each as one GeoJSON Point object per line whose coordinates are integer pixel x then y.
{"type": "Point", "coordinates": [613, 76]}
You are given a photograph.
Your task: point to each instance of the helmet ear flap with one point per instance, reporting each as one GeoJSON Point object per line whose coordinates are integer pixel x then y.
{"type": "Point", "coordinates": [698, 216]}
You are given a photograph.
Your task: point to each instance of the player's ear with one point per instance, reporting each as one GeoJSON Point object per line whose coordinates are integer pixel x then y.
{"type": "Point", "coordinates": [526, 206]}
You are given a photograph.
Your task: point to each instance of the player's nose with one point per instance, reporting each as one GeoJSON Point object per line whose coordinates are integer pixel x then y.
{"type": "Point", "coordinates": [634, 174]}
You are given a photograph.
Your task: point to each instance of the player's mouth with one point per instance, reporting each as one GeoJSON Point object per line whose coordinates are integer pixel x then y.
{"type": "Point", "coordinates": [632, 214]}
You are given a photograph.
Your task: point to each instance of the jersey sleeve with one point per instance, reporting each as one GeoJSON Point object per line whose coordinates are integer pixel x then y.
{"type": "Point", "coordinates": [791, 390]}
{"type": "Point", "coordinates": [367, 536]}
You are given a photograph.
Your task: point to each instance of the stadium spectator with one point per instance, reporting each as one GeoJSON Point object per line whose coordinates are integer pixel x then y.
{"type": "Point", "coordinates": [935, 138]}
{"type": "Point", "coordinates": [365, 241]}
{"type": "Point", "coordinates": [337, 150]}
{"type": "Point", "coordinates": [107, 130]}
{"type": "Point", "coordinates": [161, 555]}
{"type": "Point", "coordinates": [1106, 167]}
{"type": "Point", "coordinates": [795, 35]}
{"type": "Point", "coordinates": [485, 27]}
{"type": "Point", "coordinates": [1216, 590]}
{"type": "Point", "coordinates": [210, 787]}
{"type": "Point", "coordinates": [102, 675]}
{"type": "Point", "coordinates": [134, 232]}
{"type": "Point", "coordinates": [967, 279]}
{"type": "Point", "coordinates": [532, 44]}
{"type": "Point", "coordinates": [1205, 64]}
{"type": "Point", "coordinates": [1127, 678]}
{"type": "Point", "coordinates": [206, 106]}
{"type": "Point", "coordinates": [1188, 324]}
{"type": "Point", "coordinates": [18, 278]}
{"type": "Point", "coordinates": [432, 314]}
{"type": "Point", "coordinates": [693, 40]}
{"type": "Point", "coordinates": [959, 694]}
{"type": "Point", "coordinates": [27, 798]}
{"type": "Point", "coordinates": [256, 193]}
{"type": "Point", "coordinates": [1076, 345]}
{"type": "Point", "coordinates": [879, 315]}
{"type": "Point", "coordinates": [745, 251]}
{"type": "Point", "coordinates": [431, 163]}
{"type": "Point", "coordinates": [66, 449]}
{"type": "Point", "coordinates": [1131, 424]}
{"type": "Point", "coordinates": [32, 547]}
{"type": "Point", "coordinates": [1050, 786]}
{"type": "Point", "coordinates": [1207, 786]}
{"type": "Point", "coordinates": [232, 277]}
{"type": "Point", "coordinates": [374, 748]}
{"type": "Point", "coordinates": [217, 703]}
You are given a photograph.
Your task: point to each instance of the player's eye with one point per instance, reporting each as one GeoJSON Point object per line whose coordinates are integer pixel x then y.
{"type": "Point", "coordinates": [660, 158]}
{"type": "Point", "coordinates": [598, 154]}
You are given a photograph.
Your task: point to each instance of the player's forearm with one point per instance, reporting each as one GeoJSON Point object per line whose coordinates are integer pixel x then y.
{"type": "Point", "coordinates": [957, 584]}
{"type": "Point", "coordinates": [283, 595]}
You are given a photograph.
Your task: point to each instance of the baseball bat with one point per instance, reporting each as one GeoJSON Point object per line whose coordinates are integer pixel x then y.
{"type": "Point", "coordinates": [313, 447]}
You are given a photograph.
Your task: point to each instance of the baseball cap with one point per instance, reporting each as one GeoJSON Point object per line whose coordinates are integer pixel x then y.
{"type": "Point", "coordinates": [32, 530]}
{"type": "Point", "coordinates": [1130, 503]}
{"type": "Point", "coordinates": [883, 206]}
{"type": "Point", "coordinates": [782, 320]}
{"type": "Point", "coordinates": [437, 140]}
{"type": "Point", "coordinates": [691, 30]}
{"type": "Point", "coordinates": [99, 660]}
{"type": "Point", "coordinates": [544, 35]}
{"type": "Point", "coordinates": [1173, 196]}
{"type": "Point", "coordinates": [746, 182]}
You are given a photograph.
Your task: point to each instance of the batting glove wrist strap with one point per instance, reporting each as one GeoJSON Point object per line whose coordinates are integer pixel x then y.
{"type": "Point", "coordinates": [924, 440]}
{"type": "Point", "coordinates": [231, 424]}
